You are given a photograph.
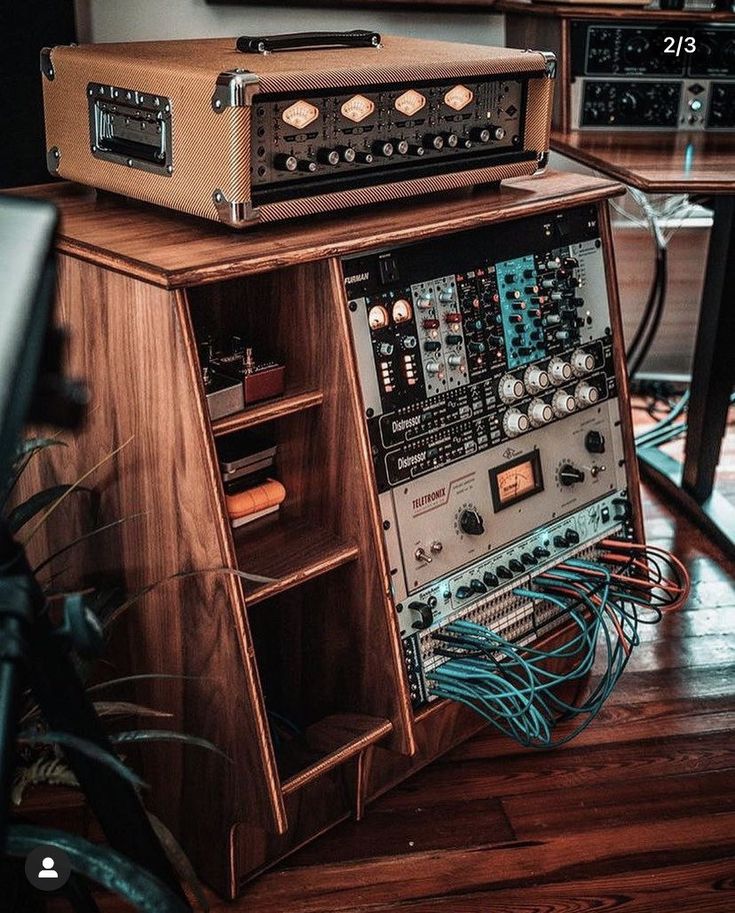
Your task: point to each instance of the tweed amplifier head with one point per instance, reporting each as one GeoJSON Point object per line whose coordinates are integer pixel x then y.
{"type": "Point", "coordinates": [244, 135]}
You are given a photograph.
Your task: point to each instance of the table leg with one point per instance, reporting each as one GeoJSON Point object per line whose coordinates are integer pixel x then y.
{"type": "Point", "coordinates": [713, 376]}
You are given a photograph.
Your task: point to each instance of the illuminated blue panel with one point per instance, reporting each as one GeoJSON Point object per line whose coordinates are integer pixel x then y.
{"type": "Point", "coordinates": [524, 337]}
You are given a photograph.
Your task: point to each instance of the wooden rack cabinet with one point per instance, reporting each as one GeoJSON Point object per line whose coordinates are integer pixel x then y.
{"type": "Point", "coordinates": [319, 645]}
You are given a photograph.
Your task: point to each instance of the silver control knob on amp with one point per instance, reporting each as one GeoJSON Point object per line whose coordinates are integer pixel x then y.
{"type": "Point", "coordinates": [515, 422]}
{"type": "Point", "coordinates": [563, 403]}
{"type": "Point", "coordinates": [536, 379]}
{"type": "Point", "coordinates": [510, 388]}
{"type": "Point", "coordinates": [540, 413]}
{"type": "Point", "coordinates": [582, 362]}
{"type": "Point", "coordinates": [446, 294]}
{"type": "Point", "coordinates": [586, 394]}
{"type": "Point", "coordinates": [425, 301]}
{"type": "Point", "coordinates": [560, 371]}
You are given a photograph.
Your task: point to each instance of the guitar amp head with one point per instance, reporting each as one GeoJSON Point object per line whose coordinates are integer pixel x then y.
{"type": "Point", "coordinates": [241, 133]}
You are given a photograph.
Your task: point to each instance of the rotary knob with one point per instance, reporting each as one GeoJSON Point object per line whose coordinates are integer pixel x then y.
{"type": "Point", "coordinates": [582, 362]}
{"type": "Point", "coordinates": [347, 153]}
{"type": "Point", "coordinates": [636, 49]}
{"type": "Point", "coordinates": [563, 403]}
{"type": "Point", "coordinates": [446, 295]}
{"type": "Point", "coordinates": [382, 148]}
{"type": "Point", "coordinates": [400, 146]}
{"type": "Point", "coordinates": [540, 413]}
{"type": "Point", "coordinates": [510, 388]}
{"type": "Point", "coordinates": [434, 141]}
{"type": "Point", "coordinates": [480, 135]}
{"type": "Point", "coordinates": [425, 613]}
{"type": "Point", "coordinates": [515, 423]}
{"type": "Point", "coordinates": [569, 474]}
{"type": "Point", "coordinates": [470, 522]}
{"type": "Point", "coordinates": [586, 394]}
{"type": "Point", "coordinates": [328, 156]}
{"type": "Point", "coordinates": [286, 162]}
{"type": "Point", "coordinates": [536, 379]}
{"type": "Point", "coordinates": [559, 371]}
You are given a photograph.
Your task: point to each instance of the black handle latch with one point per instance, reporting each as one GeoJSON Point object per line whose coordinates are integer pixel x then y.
{"type": "Point", "coordinates": [302, 41]}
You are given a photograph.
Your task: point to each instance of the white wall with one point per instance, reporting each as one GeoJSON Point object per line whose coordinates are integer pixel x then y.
{"type": "Point", "coordinates": [141, 20]}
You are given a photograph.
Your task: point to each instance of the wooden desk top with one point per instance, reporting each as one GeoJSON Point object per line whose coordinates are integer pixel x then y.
{"type": "Point", "coordinates": [173, 250]}
{"type": "Point", "coordinates": [590, 11]}
{"type": "Point", "coordinates": [656, 162]}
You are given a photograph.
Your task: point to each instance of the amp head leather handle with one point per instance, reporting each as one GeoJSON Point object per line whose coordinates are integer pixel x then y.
{"type": "Point", "coordinates": [304, 41]}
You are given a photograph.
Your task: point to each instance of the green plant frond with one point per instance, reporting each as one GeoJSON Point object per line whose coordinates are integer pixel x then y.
{"type": "Point", "coordinates": [134, 736]}
{"type": "Point", "coordinates": [89, 749]}
{"type": "Point", "coordinates": [25, 512]}
{"type": "Point", "coordinates": [179, 860]}
{"type": "Point", "coordinates": [164, 676]}
{"type": "Point", "coordinates": [106, 709]}
{"type": "Point", "coordinates": [89, 535]}
{"type": "Point", "coordinates": [23, 456]}
{"type": "Point", "coordinates": [46, 771]}
{"type": "Point", "coordinates": [183, 575]}
{"type": "Point", "coordinates": [125, 708]}
{"type": "Point", "coordinates": [72, 487]}
{"type": "Point", "coordinates": [102, 865]}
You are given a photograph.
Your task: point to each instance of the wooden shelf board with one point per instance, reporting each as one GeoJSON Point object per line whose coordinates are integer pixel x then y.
{"type": "Point", "coordinates": [291, 552]}
{"type": "Point", "coordinates": [174, 251]}
{"type": "Point", "coordinates": [290, 402]}
{"type": "Point", "coordinates": [336, 740]}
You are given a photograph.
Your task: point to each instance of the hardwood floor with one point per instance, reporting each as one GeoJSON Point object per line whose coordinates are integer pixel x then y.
{"type": "Point", "coordinates": [637, 814]}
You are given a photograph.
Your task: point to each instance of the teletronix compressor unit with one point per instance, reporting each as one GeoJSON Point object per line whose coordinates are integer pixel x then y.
{"type": "Point", "coordinates": [270, 128]}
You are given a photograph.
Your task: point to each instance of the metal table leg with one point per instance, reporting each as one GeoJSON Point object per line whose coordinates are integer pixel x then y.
{"type": "Point", "coordinates": [713, 375]}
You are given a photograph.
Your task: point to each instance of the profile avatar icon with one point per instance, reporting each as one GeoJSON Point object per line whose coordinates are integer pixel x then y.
{"type": "Point", "coordinates": [48, 870]}
{"type": "Point", "coordinates": [48, 867]}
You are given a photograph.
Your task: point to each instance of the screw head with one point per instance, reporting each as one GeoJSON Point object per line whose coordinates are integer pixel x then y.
{"type": "Point", "coordinates": [218, 103]}
{"type": "Point", "coordinates": [218, 197]}
{"type": "Point", "coordinates": [170, 169]}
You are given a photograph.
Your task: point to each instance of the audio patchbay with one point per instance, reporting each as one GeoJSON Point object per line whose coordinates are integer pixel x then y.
{"type": "Point", "coordinates": [240, 133]}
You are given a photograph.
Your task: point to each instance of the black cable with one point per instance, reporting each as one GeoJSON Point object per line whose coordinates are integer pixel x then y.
{"type": "Point", "coordinates": [647, 310]}
{"type": "Point", "coordinates": [638, 358]}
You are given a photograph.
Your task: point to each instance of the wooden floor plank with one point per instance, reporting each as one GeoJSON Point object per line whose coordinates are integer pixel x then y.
{"type": "Point", "coordinates": [705, 887]}
{"type": "Point", "coordinates": [653, 845]}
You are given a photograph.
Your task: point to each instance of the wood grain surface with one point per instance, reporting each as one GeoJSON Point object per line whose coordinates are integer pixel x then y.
{"type": "Point", "coordinates": [655, 162]}
{"type": "Point", "coordinates": [171, 250]}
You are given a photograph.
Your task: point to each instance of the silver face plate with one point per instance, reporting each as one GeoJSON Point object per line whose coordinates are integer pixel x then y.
{"type": "Point", "coordinates": [425, 515]}
{"type": "Point", "coordinates": [693, 99]}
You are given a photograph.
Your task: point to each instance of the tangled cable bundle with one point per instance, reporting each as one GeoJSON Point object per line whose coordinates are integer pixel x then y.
{"type": "Point", "coordinates": [518, 688]}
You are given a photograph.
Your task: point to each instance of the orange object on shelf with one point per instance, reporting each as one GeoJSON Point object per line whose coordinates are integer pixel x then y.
{"type": "Point", "coordinates": [255, 500]}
